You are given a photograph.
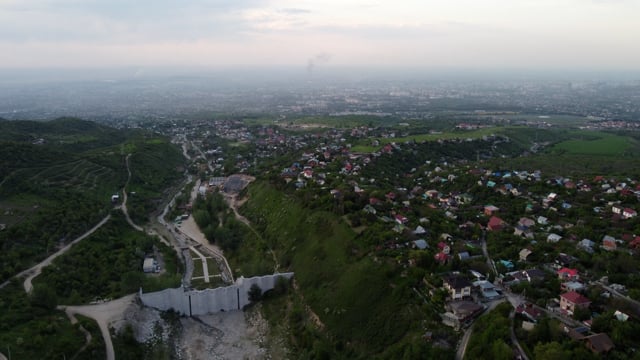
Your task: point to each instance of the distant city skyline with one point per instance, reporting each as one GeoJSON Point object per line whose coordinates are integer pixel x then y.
{"type": "Point", "coordinates": [542, 34]}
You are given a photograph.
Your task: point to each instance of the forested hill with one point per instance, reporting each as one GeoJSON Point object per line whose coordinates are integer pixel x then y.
{"type": "Point", "coordinates": [70, 133]}
{"type": "Point", "coordinates": [57, 179]}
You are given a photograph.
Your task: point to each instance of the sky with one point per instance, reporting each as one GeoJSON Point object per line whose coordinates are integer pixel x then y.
{"type": "Point", "coordinates": [538, 34]}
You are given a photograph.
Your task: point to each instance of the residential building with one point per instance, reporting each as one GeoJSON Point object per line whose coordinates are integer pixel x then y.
{"type": "Point", "coordinates": [457, 287]}
{"type": "Point", "coordinates": [572, 300]}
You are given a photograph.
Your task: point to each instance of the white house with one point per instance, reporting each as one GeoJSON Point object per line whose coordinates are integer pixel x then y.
{"type": "Point", "coordinates": [553, 238]}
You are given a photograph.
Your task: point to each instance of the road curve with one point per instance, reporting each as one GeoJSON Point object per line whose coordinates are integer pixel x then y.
{"type": "Point", "coordinates": [103, 314]}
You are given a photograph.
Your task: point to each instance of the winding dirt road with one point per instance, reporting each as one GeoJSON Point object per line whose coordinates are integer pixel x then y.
{"type": "Point", "coordinates": [36, 270]}
{"type": "Point", "coordinates": [124, 199]}
{"type": "Point", "coordinates": [233, 203]}
{"type": "Point", "coordinates": [104, 314]}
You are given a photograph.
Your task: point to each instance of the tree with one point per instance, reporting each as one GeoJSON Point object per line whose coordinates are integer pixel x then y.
{"type": "Point", "coordinates": [551, 351]}
{"type": "Point", "coordinates": [44, 296]}
{"type": "Point", "coordinates": [255, 293]}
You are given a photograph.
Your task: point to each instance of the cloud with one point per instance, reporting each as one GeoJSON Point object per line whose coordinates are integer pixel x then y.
{"type": "Point", "coordinates": [289, 31]}
{"type": "Point", "coordinates": [123, 21]}
{"type": "Point", "coordinates": [295, 11]}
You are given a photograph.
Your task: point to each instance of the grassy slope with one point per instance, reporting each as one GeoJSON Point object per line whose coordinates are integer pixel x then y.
{"type": "Point", "coordinates": [352, 296]}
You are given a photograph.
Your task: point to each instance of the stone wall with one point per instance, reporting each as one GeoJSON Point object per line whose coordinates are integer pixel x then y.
{"type": "Point", "coordinates": [202, 302]}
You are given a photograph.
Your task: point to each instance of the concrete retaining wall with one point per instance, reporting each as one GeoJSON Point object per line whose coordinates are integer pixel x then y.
{"type": "Point", "coordinates": [202, 302]}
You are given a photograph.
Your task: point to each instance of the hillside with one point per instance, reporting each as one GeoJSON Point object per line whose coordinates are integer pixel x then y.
{"type": "Point", "coordinates": [57, 179]}
{"type": "Point", "coordinates": [362, 305]}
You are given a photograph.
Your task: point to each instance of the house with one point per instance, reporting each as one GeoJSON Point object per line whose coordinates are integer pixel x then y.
{"type": "Point", "coordinates": [457, 287]}
{"type": "Point", "coordinates": [620, 316]}
{"type": "Point", "coordinates": [441, 257]}
{"type": "Point", "coordinates": [419, 230]}
{"type": "Point", "coordinates": [523, 231]}
{"type": "Point", "coordinates": [490, 209]}
{"type": "Point", "coordinates": [400, 219]}
{"type": "Point", "coordinates": [599, 343]}
{"type": "Point", "coordinates": [464, 198]}
{"type": "Point", "coordinates": [486, 289]}
{"type": "Point", "coordinates": [369, 209]}
{"type": "Point", "coordinates": [531, 276]}
{"type": "Point", "coordinates": [609, 243]}
{"type": "Point", "coordinates": [572, 286]}
{"type": "Point", "coordinates": [432, 194]}
{"type": "Point", "coordinates": [524, 254]}
{"type": "Point", "coordinates": [421, 244]}
{"type": "Point", "coordinates": [577, 333]}
{"type": "Point", "coordinates": [529, 311]}
{"type": "Point", "coordinates": [572, 300]}
{"type": "Point", "coordinates": [149, 265]}
{"type": "Point", "coordinates": [564, 260]}
{"type": "Point", "coordinates": [526, 222]}
{"type": "Point", "coordinates": [495, 224]}
{"type": "Point", "coordinates": [553, 238]}
{"type": "Point", "coordinates": [460, 312]}
{"type": "Point", "coordinates": [508, 264]}
{"type": "Point", "coordinates": [446, 237]}
{"type": "Point", "coordinates": [444, 247]}
{"type": "Point", "coordinates": [543, 220]}
{"type": "Point", "coordinates": [617, 209]}
{"type": "Point", "coordinates": [568, 274]}
{"type": "Point", "coordinates": [586, 245]}
{"type": "Point", "coordinates": [628, 213]}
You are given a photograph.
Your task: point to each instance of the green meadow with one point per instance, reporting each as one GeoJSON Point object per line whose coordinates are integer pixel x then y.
{"type": "Point", "coordinates": [596, 143]}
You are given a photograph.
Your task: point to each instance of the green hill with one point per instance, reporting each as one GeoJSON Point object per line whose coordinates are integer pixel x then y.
{"type": "Point", "coordinates": [365, 306]}
{"type": "Point", "coordinates": [57, 178]}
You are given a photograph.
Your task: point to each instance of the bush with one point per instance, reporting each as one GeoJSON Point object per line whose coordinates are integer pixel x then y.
{"type": "Point", "coordinates": [255, 293]}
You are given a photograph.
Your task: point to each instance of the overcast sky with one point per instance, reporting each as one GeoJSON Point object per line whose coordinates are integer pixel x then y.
{"type": "Point", "coordinates": [574, 34]}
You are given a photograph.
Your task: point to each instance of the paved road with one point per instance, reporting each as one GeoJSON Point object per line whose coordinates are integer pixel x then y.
{"type": "Point", "coordinates": [514, 300]}
{"type": "Point", "coordinates": [615, 293]}
{"type": "Point", "coordinates": [514, 339]}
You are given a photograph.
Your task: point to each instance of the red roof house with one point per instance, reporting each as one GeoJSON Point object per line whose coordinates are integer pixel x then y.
{"type": "Point", "coordinates": [568, 274]}
{"type": "Point", "coordinates": [572, 300]}
{"type": "Point", "coordinates": [495, 224]}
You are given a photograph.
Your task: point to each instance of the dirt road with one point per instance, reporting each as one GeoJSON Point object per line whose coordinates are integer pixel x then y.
{"type": "Point", "coordinates": [36, 270]}
{"type": "Point", "coordinates": [124, 197]}
{"type": "Point", "coordinates": [104, 314]}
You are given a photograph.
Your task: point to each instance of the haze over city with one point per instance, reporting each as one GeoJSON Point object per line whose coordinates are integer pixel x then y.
{"type": "Point", "coordinates": [309, 35]}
